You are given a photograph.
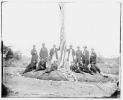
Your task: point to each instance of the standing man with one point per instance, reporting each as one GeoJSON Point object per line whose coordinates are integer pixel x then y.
{"type": "Point", "coordinates": [71, 54]}
{"type": "Point", "coordinates": [85, 56]}
{"type": "Point", "coordinates": [43, 53]}
{"type": "Point", "coordinates": [54, 53]}
{"type": "Point", "coordinates": [78, 55]}
{"type": "Point", "coordinates": [34, 55]}
{"type": "Point", "coordinates": [93, 57]}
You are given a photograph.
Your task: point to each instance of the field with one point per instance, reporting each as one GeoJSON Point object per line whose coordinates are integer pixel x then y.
{"type": "Point", "coordinates": [53, 85]}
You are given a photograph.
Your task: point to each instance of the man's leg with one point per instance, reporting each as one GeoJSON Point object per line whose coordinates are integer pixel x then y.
{"type": "Point", "coordinates": [27, 70]}
{"type": "Point", "coordinates": [97, 69]}
{"type": "Point", "coordinates": [86, 62]}
{"type": "Point", "coordinates": [44, 65]}
{"type": "Point", "coordinates": [37, 69]}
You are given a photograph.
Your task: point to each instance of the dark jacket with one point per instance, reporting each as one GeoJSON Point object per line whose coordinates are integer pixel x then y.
{"type": "Point", "coordinates": [79, 55]}
{"type": "Point", "coordinates": [34, 55]}
{"type": "Point", "coordinates": [52, 51]}
{"type": "Point", "coordinates": [93, 57]}
{"type": "Point", "coordinates": [43, 53]}
{"type": "Point", "coordinates": [86, 55]}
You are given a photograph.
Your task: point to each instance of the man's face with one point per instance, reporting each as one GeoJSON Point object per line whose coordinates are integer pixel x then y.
{"type": "Point", "coordinates": [92, 50]}
{"type": "Point", "coordinates": [54, 46]}
{"type": "Point", "coordinates": [43, 45]}
{"type": "Point", "coordinates": [70, 47]}
{"type": "Point", "coordinates": [33, 47]}
{"type": "Point", "coordinates": [92, 64]}
{"type": "Point", "coordinates": [78, 48]}
{"type": "Point", "coordinates": [84, 48]}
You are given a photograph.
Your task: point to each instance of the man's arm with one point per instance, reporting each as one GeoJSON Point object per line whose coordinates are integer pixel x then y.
{"type": "Point", "coordinates": [40, 53]}
{"type": "Point", "coordinates": [46, 52]}
{"type": "Point", "coordinates": [32, 52]}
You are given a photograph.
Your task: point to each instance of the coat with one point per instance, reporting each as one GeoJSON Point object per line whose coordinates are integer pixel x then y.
{"type": "Point", "coordinates": [73, 52]}
{"type": "Point", "coordinates": [79, 55]}
{"type": "Point", "coordinates": [43, 53]}
{"type": "Point", "coordinates": [34, 55]}
{"type": "Point", "coordinates": [52, 51]}
{"type": "Point", "coordinates": [93, 57]}
{"type": "Point", "coordinates": [86, 55]}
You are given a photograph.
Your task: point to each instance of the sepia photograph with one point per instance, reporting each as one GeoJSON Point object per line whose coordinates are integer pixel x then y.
{"type": "Point", "coordinates": [60, 49]}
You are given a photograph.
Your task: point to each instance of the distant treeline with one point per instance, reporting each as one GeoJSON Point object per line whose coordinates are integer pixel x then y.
{"type": "Point", "coordinates": [103, 60]}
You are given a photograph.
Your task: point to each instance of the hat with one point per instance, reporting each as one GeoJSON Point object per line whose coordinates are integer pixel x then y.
{"type": "Point", "coordinates": [71, 46]}
{"type": "Point", "coordinates": [84, 47]}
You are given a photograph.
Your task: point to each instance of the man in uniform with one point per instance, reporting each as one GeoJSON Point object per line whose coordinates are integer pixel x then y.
{"type": "Point", "coordinates": [71, 54]}
{"type": "Point", "coordinates": [84, 68]}
{"type": "Point", "coordinates": [34, 55]}
{"type": "Point", "coordinates": [78, 55]}
{"type": "Point", "coordinates": [54, 54]}
{"type": "Point", "coordinates": [75, 68]}
{"type": "Point", "coordinates": [85, 56]}
{"type": "Point", "coordinates": [93, 57]}
{"type": "Point", "coordinates": [94, 68]}
{"type": "Point", "coordinates": [34, 60]}
{"type": "Point", "coordinates": [41, 65]}
{"type": "Point", "coordinates": [30, 67]}
{"type": "Point", "coordinates": [54, 66]}
{"type": "Point", "coordinates": [43, 53]}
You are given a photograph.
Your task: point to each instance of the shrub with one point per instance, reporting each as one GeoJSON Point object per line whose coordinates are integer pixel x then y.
{"type": "Point", "coordinates": [17, 55]}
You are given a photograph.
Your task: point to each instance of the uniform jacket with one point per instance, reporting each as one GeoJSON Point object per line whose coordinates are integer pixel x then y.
{"type": "Point", "coordinates": [52, 51]}
{"type": "Point", "coordinates": [44, 53]}
{"type": "Point", "coordinates": [93, 57]}
{"type": "Point", "coordinates": [34, 55]}
{"type": "Point", "coordinates": [86, 55]}
{"type": "Point", "coordinates": [79, 55]}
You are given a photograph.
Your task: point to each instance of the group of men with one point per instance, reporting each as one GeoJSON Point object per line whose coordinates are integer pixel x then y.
{"type": "Point", "coordinates": [78, 61]}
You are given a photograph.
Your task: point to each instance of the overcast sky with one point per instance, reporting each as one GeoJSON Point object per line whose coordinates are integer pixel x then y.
{"type": "Point", "coordinates": [96, 25]}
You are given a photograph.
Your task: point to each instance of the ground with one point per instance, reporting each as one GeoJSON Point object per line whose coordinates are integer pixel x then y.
{"type": "Point", "coordinates": [89, 86]}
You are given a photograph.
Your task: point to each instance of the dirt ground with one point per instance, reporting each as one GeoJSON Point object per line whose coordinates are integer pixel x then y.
{"type": "Point", "coordinates": [21, 86]}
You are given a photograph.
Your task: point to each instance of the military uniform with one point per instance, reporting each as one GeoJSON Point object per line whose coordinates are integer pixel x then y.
{"type": "Point", "coordinates": [93, 57]}
{"type": "Point", "coordinates": [30, 67]}
{"type": "Point", "coordinates": [53, 67]}
{"type": "Point", "coordinates": [54, 54]}
{"type": "Point", "coordinates": [41, 66]}
{"type": "Point", "coordinates": [94, 69]}
{"type": "Point", "coordinates": [34, 55]}
{"type": "Point", "coordinates": [85, 57]}
{"type": "Point", "coordinates": [78, 56]}
{"type": "Point", "coordinates": [43, 54]}
{"type": "Point", "coordinates": [84, 68]}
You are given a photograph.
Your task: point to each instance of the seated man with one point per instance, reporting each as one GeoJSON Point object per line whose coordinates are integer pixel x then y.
{"type": "Point", "coordinates": [84, 68]}
{"type": "Point", "coordinates": [75, 68]}
{"type": "Point", "coordinates": [30, 67]}
{"type": "Point", "coordinates": [94, 68]}
{"type": "Point", "coordinates": [54, 66]}
{"type": "Point", "coordinates": [41, 65]}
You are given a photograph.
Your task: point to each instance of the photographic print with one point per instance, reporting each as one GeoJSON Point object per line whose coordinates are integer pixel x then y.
{"type": "Point", "coordinates": [60, 49]}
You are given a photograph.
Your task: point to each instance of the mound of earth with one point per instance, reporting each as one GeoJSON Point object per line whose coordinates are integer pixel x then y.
{"type": "Point", "coordinates": [29, 86]}
{"type": "Point", "coordinates": [59, 76]}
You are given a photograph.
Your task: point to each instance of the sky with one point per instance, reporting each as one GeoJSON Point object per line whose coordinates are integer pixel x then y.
{"type": "Point", "coordinates": [96, 25]}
